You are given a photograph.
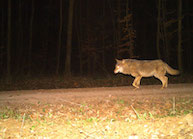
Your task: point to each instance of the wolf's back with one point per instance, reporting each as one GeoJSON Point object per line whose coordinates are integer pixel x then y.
{"type": "Point", "coordinates": [171, 70]}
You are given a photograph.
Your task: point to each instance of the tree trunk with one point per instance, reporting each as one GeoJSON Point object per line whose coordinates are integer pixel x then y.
{"type": "Point", "coordinates": [180, 35]}
{"type": "Point", "coordinates": [31, 39]}
{"type": "Point", "coordinates": [19, 65]}
{"type": "Point", "coordinates": [59, 39]}
{"type": "Point", "coordinates": [165, 32]}
{"type": "Point", "coordinates": [189, 45]}
{"type": "Point", "coordinates": [103, 37]}
{"type": "Point", "coordinates": [158, 29]}
{"type": "Point", "coordinates": [87, 39]}
{"type": "Point", "coordinates": [8, 77]}
{"type": "Point", "coordinates": [2, 43]}
{"type": "Point", "coordinates": [79, 37]}
{"type": "Point", "coordinates": [69, 39]}
{"type": "Point", "coordinates": [118, 28]}
{"type": "Point", "coordinates": [131, 39]}
{"type": "Point", "coordinates": [114, 30]}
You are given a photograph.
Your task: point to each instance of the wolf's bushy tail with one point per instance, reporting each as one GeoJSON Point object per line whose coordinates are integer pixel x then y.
{"type": "Point", "coordinates": [171, 70]}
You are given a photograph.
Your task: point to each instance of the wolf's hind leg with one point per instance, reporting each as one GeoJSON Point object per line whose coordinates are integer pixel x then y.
{"type": "Point", "coordinates": [138, 80]}
{"type": "Point", "coordinates": [166, 84]}
{"type": "Point", "coordinates": [164, 81]}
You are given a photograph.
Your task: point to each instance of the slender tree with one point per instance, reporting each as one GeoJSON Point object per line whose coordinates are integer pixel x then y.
{"type": "Point", "coordinates": [180, 35]}
{"type": "Point", "coordinates": [79, 36]}
{"type": "Point", "coordinates": [69, 39]}
{"type": "Point", "coordinates": [2, 41]}
{"type": "Point", "coordinates": [118, 27]}
{"type": "Point", "coordinates": [19, 65]}
{"type": "Point", "coordinates": [165, 32]}
{"type": "Point", "coordinates": [59, 39]}
{"type": "Point", "coordinates": [8, 77]}
{"type": "Point", "coordinates": [114, 28]}
{"type": "Point", "coordinates": [88, 39]}
{"type": "Point", "coordinates": [189, 36]}
{"type": "Point", "coordinates": [131, 31]}
{"type": "Point", "coordinates": [31, 38]}
{"type": "Point", "coordinates": [103, 36]}
{"type": "Point", "coordinates": [158, 29]}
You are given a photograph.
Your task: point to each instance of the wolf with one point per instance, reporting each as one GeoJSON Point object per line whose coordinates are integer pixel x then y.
{"type": "Point", "coordinates": [145, 68]}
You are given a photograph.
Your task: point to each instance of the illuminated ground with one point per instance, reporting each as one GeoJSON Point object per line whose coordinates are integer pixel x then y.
{"type": "Point", "coordinates": [114, 112]}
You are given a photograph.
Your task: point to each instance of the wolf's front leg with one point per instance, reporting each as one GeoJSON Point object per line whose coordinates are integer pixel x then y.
{"type": "Point", "coordinates": [136, 82]}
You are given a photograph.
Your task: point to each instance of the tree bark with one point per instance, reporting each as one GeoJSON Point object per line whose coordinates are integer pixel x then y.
{"type": "Point", "coordinates": [180, 35]}
{"type": "Point", "coordinates": [158, 29]}
{"type": "Point", "coordinates": [114, 29]}
{"type": "Point", "coordinates": [69, 39]}
{"type": "Point", "coordinates": [189, 45]}
{"type": "Point", "coordinates": [19, 65]}
{"type": "Point", "coordinates": [2, 43]}
{"type": "Point", "coordinates": [103, 37]}
{"type": "Point", "coordinates": [31, 39]}
{"type": "Point", "coordinates": [79, 36]}
{"type": "Point", "coordinates": [131, 39]}
{"type": "Point", "coordinates": [8, 77]}
{"type": "Point", "coordinates": [165, 32]}
{"type": "Point", "coordinates": [118, 28]}
{"type": "Point", "coordinates": [59, 39]}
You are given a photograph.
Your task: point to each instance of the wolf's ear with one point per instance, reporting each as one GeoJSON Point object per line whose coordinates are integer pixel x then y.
{"type": "Point", "coordinates": [123, 61]}
{"type": "Point", "coordinates": [117, 60]}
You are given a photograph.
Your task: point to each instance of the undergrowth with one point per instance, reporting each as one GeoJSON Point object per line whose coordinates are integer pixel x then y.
{"type": "Point", "coordinates": [55, 82]}
{"type": "Point", "coordinates": [117, 118]}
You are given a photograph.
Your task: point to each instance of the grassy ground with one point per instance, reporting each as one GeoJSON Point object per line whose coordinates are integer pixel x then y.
{"type": "Point", "coordinates": [112, 118]}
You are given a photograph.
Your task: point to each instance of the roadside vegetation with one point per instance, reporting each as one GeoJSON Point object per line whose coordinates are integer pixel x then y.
{"type": "Point", "coordinates": [53, 82]}
{"type": "Point", "coordinates": [115, 117]}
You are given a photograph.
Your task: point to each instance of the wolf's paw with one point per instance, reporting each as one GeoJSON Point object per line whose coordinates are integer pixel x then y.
{"type": "Point", "coordinates": [134, 89]}
{"type": "Point", "coordinates": [136, 86]}
{"type": "Point", "coordinates": [163, 87]}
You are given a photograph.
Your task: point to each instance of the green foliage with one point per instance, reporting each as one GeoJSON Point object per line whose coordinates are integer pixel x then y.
{"type": "Point", "coordinates": [6, 113]}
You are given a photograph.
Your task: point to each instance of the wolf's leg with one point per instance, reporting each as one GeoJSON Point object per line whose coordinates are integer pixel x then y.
{"type": "Point", "coordinates": [164, 81]}
{"type": "Point", "coordinates": [136, 82]}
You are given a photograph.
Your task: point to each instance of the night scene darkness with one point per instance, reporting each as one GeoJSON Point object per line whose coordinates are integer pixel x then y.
{"type": "Point", "coordinates": [48, 38]}
{"type": "Point", "coordinates": [96, 69]}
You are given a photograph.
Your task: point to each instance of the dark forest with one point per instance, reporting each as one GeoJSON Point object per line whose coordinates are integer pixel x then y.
{"type": "Point", "coordinates": [83, 38]}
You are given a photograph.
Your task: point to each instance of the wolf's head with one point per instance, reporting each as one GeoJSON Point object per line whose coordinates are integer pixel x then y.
{"type": "Point", "coordinates": [119, 66]}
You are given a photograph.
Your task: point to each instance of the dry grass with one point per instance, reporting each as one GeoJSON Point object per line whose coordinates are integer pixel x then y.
{"type": "Point", "coordinates": [111, 118]}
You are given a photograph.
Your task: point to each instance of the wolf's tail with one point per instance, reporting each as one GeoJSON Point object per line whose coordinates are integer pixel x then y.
{"type": "Point", "coordinates": [171, 70]}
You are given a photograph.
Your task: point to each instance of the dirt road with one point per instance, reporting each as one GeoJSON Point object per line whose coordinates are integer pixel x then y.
{"type": "Point", "coordinates": [93, 94]}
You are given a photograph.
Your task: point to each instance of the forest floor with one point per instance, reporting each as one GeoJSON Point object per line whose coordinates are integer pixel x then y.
{"type": "Point", "coordinates": [94, 113]}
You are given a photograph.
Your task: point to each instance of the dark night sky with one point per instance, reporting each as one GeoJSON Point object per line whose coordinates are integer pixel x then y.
{"type": "Point", "coordinates": [95, 25]}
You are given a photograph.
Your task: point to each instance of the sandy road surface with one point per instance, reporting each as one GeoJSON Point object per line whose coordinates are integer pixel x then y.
{"type": "Point", "coordinates": [93, 94]}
